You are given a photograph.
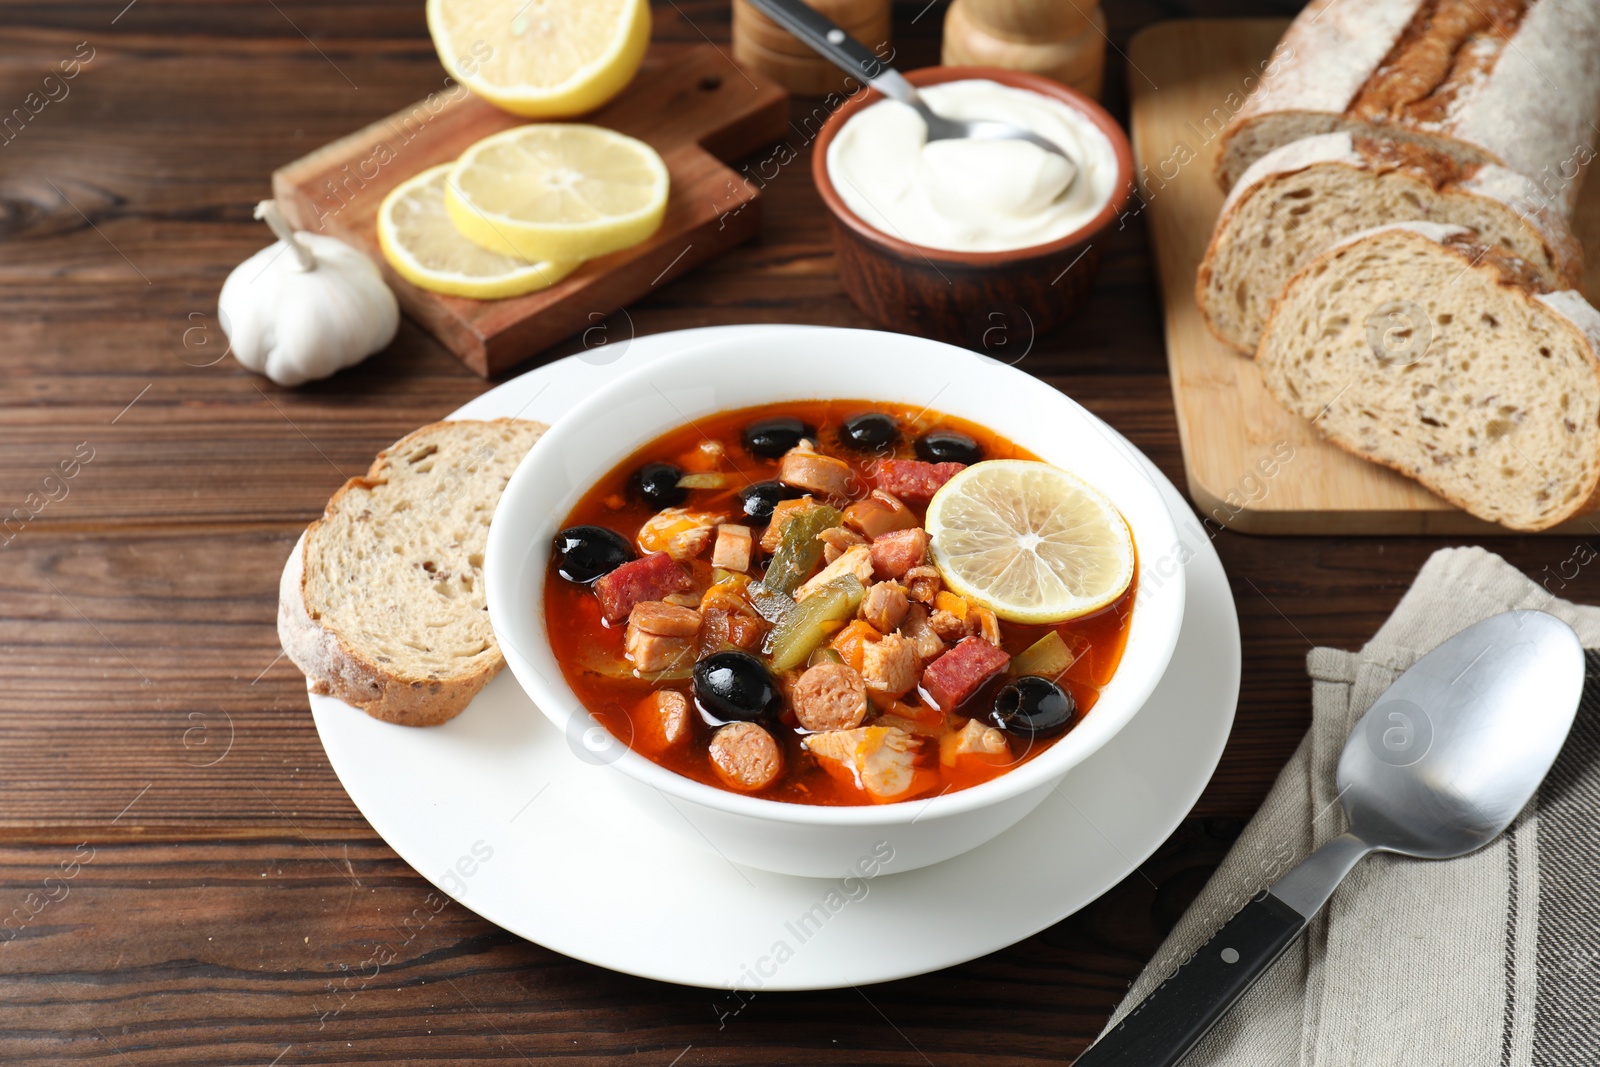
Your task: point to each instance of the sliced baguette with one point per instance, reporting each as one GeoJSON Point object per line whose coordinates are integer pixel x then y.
{"type": "Point", "coordinates": [1512, 82]}
{"type": "Point", "coordinates": [1300, 198]}
{"type": "Point", "coordinates": [382, 604]}
{"type": "Point", "coordinates": [1420, 350]}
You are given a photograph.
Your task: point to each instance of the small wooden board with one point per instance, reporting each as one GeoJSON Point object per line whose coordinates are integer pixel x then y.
{"type": "Point", "coordinates": [1251, 465]}
{"type": "Point", "coordinates": [687, 102]}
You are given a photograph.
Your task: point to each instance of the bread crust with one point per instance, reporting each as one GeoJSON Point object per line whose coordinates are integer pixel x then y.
{"type": "Point", "coordinates": [1458, 241]}
{"type": "Point", "coordinates": [334, 669]}
{"type": "Point", "coordinates": [1375, 158]}
{"type": "Point", "coordinates": [1512, 82]}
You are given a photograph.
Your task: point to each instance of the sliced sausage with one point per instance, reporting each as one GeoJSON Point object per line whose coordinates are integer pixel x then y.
{"type": "Point", "coordinates": [662, 720]}
{"type": "Point", "coordinates": [830, 696]}
{"type": "Point", "coordinates": [956, 675]}
{"type": "Point", "coordinates": [807, 469]}
{"type": "Point", "coordinates": [913, 480]}
{"type": "Point", "coordinates": [650, 577]}
{"type": "Point", "coordinates": [878, 514]}
{"type": "Point", "coordinates": [745, 756]}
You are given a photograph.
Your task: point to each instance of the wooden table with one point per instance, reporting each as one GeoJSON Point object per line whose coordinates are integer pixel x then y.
{"type": "Point", "coordinates": [224, 893]}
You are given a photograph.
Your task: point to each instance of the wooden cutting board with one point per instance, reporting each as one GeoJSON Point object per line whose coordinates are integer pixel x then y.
{"type": "Point", "coordinates": [1251, 465]}
{"type": "Point", "coordinates": [688, 102]}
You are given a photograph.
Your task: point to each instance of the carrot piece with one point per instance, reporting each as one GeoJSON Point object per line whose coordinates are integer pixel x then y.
{"type": "Point", "coordinates": [948, 601]}
{"type": "Point", "coordinates": [851, 642]}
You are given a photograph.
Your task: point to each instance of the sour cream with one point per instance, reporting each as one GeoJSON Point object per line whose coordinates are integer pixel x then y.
{"type": "Point", "coordinates": [972, 196]}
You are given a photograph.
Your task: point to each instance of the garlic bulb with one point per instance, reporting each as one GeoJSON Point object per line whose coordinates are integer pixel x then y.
{"type": "Point", "coordinates": [306, 306]}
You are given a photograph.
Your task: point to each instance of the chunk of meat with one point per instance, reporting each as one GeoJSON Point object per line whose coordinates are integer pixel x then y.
{"type": "Point", "coordinates": [956, 675]}
{"type": "Point", "coordinates": [890, 666]}
{"type": "Point", "coordinates": [729, 623]}
{"type": "Point", "coordinates": [805, 468]}
{"type": "Point", "coordinates": [732, 551]}
{"type": "Point", "coordinates": [649, 577]}
{"type": "Point", "coordinates": [745, 756]}
{"type": "Point", "coordinates": [897, 552]}
{"type": "Point", "coordinates": [661, 721]}
{"type": "Point", "coordinates": [918, 630]}
{"type": "Point", "coordinates": [651, 653]}
{"type": "Point", "coordinates": [975, 742]}
{"type": "Point", "coordinates": [885, 605]}
{"type": "Point", "coordinates": [880, 513]}
{"type": "Point", "coordinates": [947, 625]}
{"type": "Point", "coordinates": [667, 620]}
{"type": "Point", "coordinates": [923, 584]}
{"type": "Point", "coordinates": [878, 760]}
{"type": "Point", "coordinates": [830, 696]}
{"type": "Point", "coordinates": [679, 532]}
{"type": "Point", "coordinates": [913, 480]}
{"type": "Point", "coordinates": [837, 540]}
{"type": "Point", "coordinates": [857, 561]}
{"type": "Point", "coordinates": [781, 514]}
{"type": "Point", "coordinates": [661, 636]}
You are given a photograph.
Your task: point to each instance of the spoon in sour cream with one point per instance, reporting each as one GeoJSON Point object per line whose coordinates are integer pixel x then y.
{"type": "Point", "coordinates": [829, 41]}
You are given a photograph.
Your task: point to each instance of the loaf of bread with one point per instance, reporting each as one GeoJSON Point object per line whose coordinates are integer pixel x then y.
{"type": "Point", "coordinates": [1512, 82]}
{"type": "Point", "coordinates": [1419, 349]}
{"type": "Point", "coordinates": [382, 604]}
{"type": "Point", "coordinates": [1299, 199]}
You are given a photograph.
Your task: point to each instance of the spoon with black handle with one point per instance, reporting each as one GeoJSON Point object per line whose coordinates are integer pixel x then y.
{"type": "Point", "coordinates": [1437, 767]}
{"type": "Point", "coordinates": [854, 58]}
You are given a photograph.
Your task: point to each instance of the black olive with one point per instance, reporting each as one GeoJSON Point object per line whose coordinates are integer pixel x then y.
{"type": "Point", "coordinates": [947, 446]}
{"type": "Point", "coordinates": [870, 431]}
{"type": "Point", "coordinates": [1031, 706]}
{"type": "Point", "coordinates": [584, 553]}
{"type": "Point", "coordinates": [657, 483]}
{"type": "Point", "coordinates": [760, 498]}
{"type": "Point", "coordinates": [773, 437]}
{"type": "Point", "coordinates": [734, 687]}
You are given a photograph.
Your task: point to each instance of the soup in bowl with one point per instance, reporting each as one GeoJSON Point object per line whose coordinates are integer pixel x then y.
{"type": "Point", "coordinates": [826, 626]}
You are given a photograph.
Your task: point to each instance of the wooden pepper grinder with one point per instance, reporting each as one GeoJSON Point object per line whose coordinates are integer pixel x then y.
{"type": "Point", "coordinates": [763, 45]}
{"type": "Point", "coordinates": [1055, 38]}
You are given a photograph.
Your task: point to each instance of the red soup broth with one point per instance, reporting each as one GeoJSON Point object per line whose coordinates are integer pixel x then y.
{"type": "Point", "coordinates": [589, 649]}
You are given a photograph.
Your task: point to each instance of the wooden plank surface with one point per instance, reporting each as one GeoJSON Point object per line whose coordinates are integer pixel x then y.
{"type": "Point", "coordinates": [1236, 436]}
{"type": "Point", "coordinates": [684, 103]}
{"type": "Point", "coordinates": [218, 916]}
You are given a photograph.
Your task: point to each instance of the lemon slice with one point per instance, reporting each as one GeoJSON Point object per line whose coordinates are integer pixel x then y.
{"type": "Point", "coordinates": [558, 192]}
{"type": "Point", "coordinates": [541, 58]}
{"type": "Point", "coordinates": [1029, 541]}
{"type": "Point", "coordinates": [423, 246]}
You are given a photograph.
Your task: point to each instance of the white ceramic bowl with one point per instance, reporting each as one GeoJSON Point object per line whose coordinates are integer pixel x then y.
{"type": "Point", "coordinates": [808, 363]}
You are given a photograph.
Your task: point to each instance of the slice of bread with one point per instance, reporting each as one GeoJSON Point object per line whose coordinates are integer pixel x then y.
{"type": "Point", "coordinates": [1417, 348]}
{"type": "Point", "coordinates": [1300, 198]}
{"type": "Point", "coordinates": [382, 604]}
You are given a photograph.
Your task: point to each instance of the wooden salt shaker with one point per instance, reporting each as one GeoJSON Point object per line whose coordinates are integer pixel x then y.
{"type": "Point", "coordinates": [1060, 40]}
{"type": "Point", "coordinates": [763, 45]}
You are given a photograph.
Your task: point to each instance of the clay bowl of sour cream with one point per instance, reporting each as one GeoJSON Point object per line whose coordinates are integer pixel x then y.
{"type": "Point", "coordinates": [973, 243]}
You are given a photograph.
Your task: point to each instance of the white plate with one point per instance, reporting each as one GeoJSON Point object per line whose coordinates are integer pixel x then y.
{"type": "Point", "coordinates": [501, 812]}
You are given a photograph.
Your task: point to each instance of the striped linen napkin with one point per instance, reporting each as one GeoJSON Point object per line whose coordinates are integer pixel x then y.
{"type": "Point", "coordinates": [1490, 960]}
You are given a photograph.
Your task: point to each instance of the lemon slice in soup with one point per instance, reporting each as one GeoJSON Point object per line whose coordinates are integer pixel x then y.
{"type": "Point", "coordinates": [1029, 541]}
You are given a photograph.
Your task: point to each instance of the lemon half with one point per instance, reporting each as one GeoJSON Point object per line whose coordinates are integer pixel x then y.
{"type": "Point", "coordinates": [1029, 541]}
{"type": "Point", "coordinates": [558, 192]}
{"type": "Point", "coordinates": [420, 242]}
{"type": "Point", "coordinates": [541, 58]}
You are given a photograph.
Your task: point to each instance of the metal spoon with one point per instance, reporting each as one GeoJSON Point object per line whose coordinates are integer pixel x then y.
{"type": "Point", "coordinates": [855, 58]}
{"type": "Point", "coordinates": [1436, 768]}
